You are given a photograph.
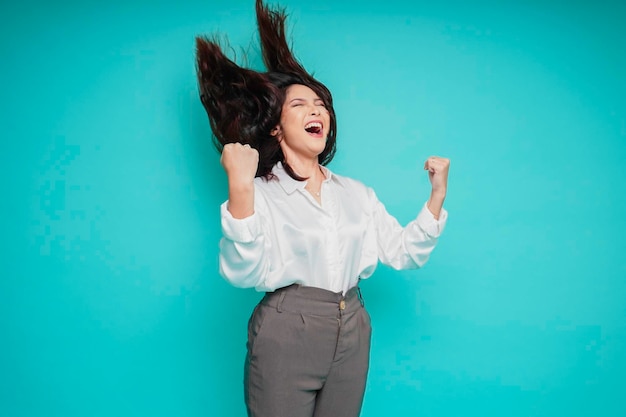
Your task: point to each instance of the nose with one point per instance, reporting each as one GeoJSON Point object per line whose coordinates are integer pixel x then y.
{"type": "Point", "coordinates": [315, 111]}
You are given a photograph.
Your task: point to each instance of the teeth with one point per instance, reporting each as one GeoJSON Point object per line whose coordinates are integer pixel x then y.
{"type": "Point", "coordinates": [313, 124]}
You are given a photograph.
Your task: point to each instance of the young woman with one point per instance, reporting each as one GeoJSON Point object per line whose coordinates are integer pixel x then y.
{"type": "Point", "coordinates": [300, 233]}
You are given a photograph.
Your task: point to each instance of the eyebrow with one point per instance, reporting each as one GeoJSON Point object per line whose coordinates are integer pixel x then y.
{"type": "Point", "coordinates": [304, 99]}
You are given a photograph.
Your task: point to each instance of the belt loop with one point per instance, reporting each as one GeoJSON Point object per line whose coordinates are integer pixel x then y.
{"type": "Point", "coordinates": [280, 300]}
{"type": "Point", "coordinates": [358, 292]}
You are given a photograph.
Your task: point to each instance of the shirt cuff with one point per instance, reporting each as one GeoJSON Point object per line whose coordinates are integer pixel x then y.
{"type": "Point", "coordinates": [426, 221]}
{"type": "Point", "coordinates": [244, 230]}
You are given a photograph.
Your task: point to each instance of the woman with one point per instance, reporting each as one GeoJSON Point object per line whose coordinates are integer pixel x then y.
{"type": "Point", "coordinates": [299, 232]}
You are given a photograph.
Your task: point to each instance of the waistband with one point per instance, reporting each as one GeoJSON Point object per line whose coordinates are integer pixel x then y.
{"type": "Point", "coordinates": [311, 300]}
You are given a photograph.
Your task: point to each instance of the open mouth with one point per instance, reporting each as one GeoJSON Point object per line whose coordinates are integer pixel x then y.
{"type": "Point", "coordinates": [314, 128]}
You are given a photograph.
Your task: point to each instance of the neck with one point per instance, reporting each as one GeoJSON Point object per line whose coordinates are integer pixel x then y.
{"type": "Point", "coordinates": [308, 168]}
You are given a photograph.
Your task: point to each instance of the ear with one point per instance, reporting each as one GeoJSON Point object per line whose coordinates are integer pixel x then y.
{"type": "Point", "coordinates": [276, 132]}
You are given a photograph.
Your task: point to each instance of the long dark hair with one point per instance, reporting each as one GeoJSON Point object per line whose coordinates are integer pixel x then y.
{"type": "Point", "coordinates": [244, 105]}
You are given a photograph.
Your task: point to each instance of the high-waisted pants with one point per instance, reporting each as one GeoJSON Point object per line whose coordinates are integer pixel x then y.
{"type": "Point", "coordinates": [308, 354]}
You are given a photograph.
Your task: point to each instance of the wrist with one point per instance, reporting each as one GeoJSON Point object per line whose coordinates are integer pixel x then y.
{"type": "Point", "coordinates": [439, 194]}
{"type": "Point", "coordinates": [435, 203]}
{"type": "Point", "coordinates": [240, 184]}
{"type": "Point", "coordinates": [241, 199]}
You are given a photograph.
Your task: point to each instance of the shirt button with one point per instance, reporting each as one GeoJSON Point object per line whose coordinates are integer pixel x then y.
{"type": "Point", "coordinates": [342, 305]}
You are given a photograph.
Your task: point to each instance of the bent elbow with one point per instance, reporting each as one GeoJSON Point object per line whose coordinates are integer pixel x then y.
{"type": "Point", "coordinates": [242, 274]}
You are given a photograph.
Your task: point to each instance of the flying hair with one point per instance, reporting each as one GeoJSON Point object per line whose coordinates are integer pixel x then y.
{"type": "Point", "coordinates": [244, 105]}
{"type": "Point", "coordinates": [284, 69]}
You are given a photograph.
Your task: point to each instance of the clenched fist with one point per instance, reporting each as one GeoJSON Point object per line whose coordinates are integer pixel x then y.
{"type": "Point", "coordinates": [437, 168]}
{"type": "Point", "coordinates": [240, 162]}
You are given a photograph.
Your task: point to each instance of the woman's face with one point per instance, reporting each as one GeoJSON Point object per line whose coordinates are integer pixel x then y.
{"type": "Point", "coordinates": [304, 124]}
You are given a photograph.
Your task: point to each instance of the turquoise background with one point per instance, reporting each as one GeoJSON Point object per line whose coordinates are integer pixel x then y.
{"type": "Point", "coordinates": [110, 300]}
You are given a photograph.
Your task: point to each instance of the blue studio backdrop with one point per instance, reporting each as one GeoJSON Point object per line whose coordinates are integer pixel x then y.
{"type": "Point", "coordinates": [110, 299]}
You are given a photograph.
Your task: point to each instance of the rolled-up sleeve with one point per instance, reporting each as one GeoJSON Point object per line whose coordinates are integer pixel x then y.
{"type": "Point", "coordinates": [428, 224]}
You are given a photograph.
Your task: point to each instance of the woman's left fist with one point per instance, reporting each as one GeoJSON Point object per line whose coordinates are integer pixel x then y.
{"type": "Point", "coordinates": [437, 168]}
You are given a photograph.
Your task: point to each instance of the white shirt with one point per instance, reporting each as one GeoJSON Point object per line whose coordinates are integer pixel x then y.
{"type": "Point", "coordinates": [291, 238]}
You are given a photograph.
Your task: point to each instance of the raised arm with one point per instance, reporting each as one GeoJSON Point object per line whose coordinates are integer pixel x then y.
{"type": "Point", "coordinates": [410, 246]}
{"type": "Point", "coordinates": [242, 249]}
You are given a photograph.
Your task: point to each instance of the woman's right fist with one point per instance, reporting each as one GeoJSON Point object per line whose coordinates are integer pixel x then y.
{"type": "Point", "coordinates": [240, 162]}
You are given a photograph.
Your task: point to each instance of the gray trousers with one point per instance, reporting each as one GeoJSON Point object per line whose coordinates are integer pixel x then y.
{"type": "Point", "coordinates": [308, 354]}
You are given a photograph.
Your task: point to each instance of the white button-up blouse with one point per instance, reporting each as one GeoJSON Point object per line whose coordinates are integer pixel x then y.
{"type": "Point", "coordinates": [291, 238]}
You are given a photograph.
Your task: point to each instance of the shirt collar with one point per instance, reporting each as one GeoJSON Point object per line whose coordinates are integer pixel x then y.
{"type": "Point", "coordinates": [289, 184]}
